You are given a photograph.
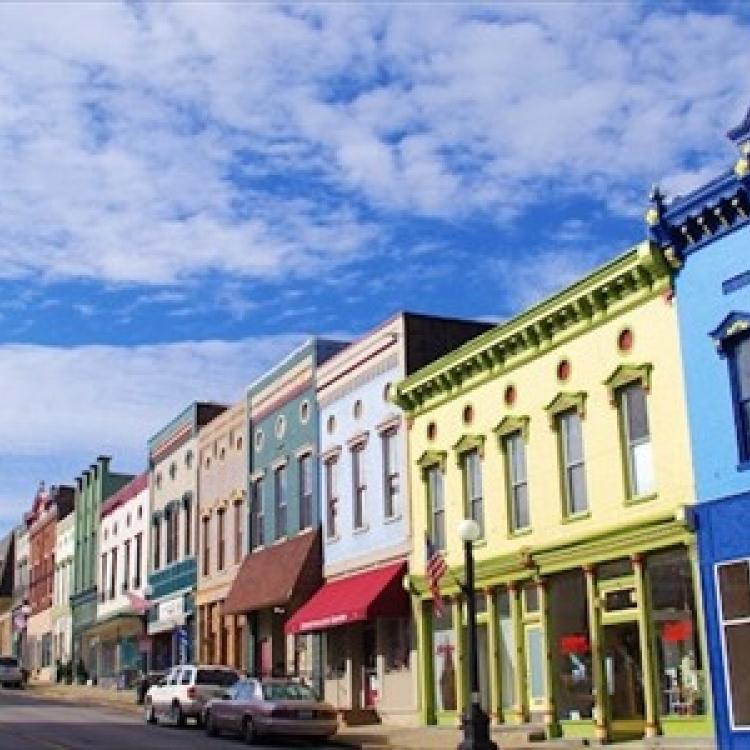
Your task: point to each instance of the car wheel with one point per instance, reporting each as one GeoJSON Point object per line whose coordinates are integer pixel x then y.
{"type": "Point", "coordinates": [200, 721]}
{"type": "Point", "coordinates": [176, 715]}
{"type": "Point", "coordinates": [149, 713]}
{"type": "Point", "coordinates": [210, 723]}
{"type": "Point", "coordinates": [248, 731]}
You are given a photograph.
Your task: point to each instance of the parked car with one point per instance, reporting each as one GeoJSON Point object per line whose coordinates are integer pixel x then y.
{"type": "Point", "coordinates": [11, 673]}
{"type": "Point", "coordinates": [144, 682]}
{"type": "Point", "coordinates": [255, 708]}
{"type": "Point", "coordinates": [184, 692]}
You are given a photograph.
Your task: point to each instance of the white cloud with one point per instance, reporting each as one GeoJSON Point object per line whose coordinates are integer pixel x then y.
{"type": "Point", "coordinates": [155, 142]}
{"type": "Point", "coordinates": [65, 406]}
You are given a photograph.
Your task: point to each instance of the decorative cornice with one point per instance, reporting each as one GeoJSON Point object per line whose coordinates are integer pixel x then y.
{"type": "Point", "coordinates": [513, 423]}
{"type": "Point", "coordinates": [429, 459]}
{"type": "Point", "coordinates": [358, 441]}
{"type": "Point", "coordinates": [735, 324]}
{"type": "Point", "coordinates": [565, 401]}
{"type": "Point", "coordinates": [626, 282]}
{"type": "Point", "coordinates": [627, 374]}
{"type": "Point", "coordinates": [469, 442]}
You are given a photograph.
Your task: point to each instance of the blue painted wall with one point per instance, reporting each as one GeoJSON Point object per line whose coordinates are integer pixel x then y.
{"type": "Point", "coordinates": [702, 304]}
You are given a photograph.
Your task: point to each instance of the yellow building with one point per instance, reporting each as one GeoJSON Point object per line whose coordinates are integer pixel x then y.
{"type": "Point", "coordinates": [563, 432]}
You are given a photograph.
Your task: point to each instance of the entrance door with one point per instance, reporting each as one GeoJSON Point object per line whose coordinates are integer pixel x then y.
{"type": "Point", "coordinates": [370, 667]}
{"type": "Point", "coordinates": [624, 678]}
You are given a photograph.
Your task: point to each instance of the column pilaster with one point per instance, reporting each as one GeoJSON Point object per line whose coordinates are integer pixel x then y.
{"type": "Point", "coordinates": [649, 685]}
{"type": "Point", "coordinates": [597, 664]}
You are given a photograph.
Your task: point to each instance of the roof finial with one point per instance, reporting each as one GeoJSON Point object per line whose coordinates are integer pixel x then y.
{"type": "Point", "coordinates": [655, 212]}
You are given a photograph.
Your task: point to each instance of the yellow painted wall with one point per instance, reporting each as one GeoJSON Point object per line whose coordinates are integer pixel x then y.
{"type": "Point", "coordinates": [594, 355]}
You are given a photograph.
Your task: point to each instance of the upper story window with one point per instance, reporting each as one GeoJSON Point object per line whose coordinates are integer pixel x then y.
{"type": "Point", "coordinates": [739, 359]}
{"type": "Point", "coordinates": [238, 508]}
{"type": "Point", "coordinates": [332, 496]}
{"type": "Point", "coordinates": [390, 473]}
{"type": "Point", "coordinates": [279, 501]}
{"type": "Point", "coordinates": [257, 536]}
{"type": "Point", "coordinates": [156, 539]}
{"type": "Point", "coordinates": [188, 513]}
{"type": "Point", "coordinates": [305, 491]}
{"type": "Point", "coordinates": [637, 437]}
{"type": "Point", "coordinates": [514, 448]}
{"type": "Point", "coordinates": [474, 499]}
{"type": "Point", "coordinates": [572, 462]}
{"type": "Point", "coordinates": [359, 486]}
{"type": "Point", "coordinates": [436, 500]}
{"type": "Point", "coordinates": [220, 538]}
{"type": "Point", "coordinates": [206, 551]}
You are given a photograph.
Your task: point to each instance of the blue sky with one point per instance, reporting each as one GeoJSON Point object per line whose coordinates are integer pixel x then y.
{"type": "Point", "coordinates": [186, 190]}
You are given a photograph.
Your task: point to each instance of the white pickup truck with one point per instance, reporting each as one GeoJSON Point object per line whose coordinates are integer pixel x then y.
{"type": "Point", "coordinates": [184, 692]}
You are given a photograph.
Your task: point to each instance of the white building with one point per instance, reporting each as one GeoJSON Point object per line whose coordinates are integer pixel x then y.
{"type": "Point", "coordinates": [122, 579]}
{"type": "Point", "coordinates": [62, 632]}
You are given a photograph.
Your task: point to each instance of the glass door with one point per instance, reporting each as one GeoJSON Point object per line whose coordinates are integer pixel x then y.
{"type": "Point", "coordinates": [624, 679]}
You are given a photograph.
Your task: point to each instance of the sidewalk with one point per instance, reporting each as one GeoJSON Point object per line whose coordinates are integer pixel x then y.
{"type": "Point", "coordinates": [379, 736]}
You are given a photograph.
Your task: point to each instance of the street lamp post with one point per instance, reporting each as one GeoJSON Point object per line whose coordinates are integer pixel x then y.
{"type": "Point", "coordinates": [476, 723]}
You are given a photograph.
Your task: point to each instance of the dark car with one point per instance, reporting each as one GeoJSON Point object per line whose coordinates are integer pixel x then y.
{"type": "Point", "coordinates": [254, 708]}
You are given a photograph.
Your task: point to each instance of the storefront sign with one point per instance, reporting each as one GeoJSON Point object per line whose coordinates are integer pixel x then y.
{"type": "Point", "coordinates": [172, 610]}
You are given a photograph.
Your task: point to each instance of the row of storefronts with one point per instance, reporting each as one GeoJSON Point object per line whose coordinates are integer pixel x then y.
{"type": "Point", "coordinates": [600, 440]}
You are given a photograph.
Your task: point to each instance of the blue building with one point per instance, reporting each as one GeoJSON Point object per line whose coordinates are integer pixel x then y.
{"type": "Point", "coordinates": [707, 237]}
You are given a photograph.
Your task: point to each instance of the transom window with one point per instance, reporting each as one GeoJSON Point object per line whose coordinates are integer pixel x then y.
{"type": "Point", "coordinates": [517, 481]}
{"type": "Point", "coordinates": [573, 467]}
{"type": "Point", "coordinates": [474, 500]}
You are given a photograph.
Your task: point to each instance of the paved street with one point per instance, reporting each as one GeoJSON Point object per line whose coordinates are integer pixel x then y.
{"type": "Point", "coordinates": [28, 722]}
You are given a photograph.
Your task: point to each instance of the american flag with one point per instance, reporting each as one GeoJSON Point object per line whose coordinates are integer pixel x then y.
{"type": "Point", "coordinates": [435, 569]}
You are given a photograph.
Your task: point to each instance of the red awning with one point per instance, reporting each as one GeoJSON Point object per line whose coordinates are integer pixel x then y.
{"type": "Point", "coordinates": [375, 593]}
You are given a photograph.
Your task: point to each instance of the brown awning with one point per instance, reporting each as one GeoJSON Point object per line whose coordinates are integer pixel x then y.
{"type": "Point", "coordinates": [281, 575]}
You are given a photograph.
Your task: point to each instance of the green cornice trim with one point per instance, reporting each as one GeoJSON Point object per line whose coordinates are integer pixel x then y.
{"type": "Point", "coordinates": [627, 374]}
{"type": "Point", "coordinates": [429, 459]}
{"type": "Point", "coordinates": [468, 443]}
{"type": "Point", "coordinates": [565, 401]}
{"type": "Point", "coordinates": [510, 424]}
{"type": "Point", "coordinates": [649, 533]}
{"type": "Point", "coordinates": [624, 283]}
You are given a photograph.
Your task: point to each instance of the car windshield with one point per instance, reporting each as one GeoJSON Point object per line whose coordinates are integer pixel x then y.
{"type": "Point", "coordinates": [287, 691]}
{"type": "Point", "coordinates": [8, 661]}
{"type": "Point", "coordinates": [221, 677]}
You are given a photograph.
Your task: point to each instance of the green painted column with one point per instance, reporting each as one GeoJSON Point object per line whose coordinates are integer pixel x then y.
{"type": "Point", "coordinates": [519, 687]}
{"type": "Point", "coordinates": [425, 679]}
{"type": "Point", "coordinates": [550, 718]}
{"type": "Point", "coordinates": [458, 632]}
{"type": "Point", "coordinates": [701, 623]}
{"type": "Point", "coordinates": [493, 648]}
{"type": "Point", "coordinates": [647, 669]}
{"type": "Point", "coordinates": [597, 660]}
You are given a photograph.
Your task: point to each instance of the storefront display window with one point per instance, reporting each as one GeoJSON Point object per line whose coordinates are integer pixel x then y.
{"type": "Point", "coordinates": [397, 644]}
{"type": "Point", "coordinates": [571, 645]}
{"type": "Point", "coordinates": [335, 654]}
{"type": "Point", "coordinates": [508, 660]}
{"type": "Point", "coordinates": [681, 678]}
{"type": "Point", "coordinates": [444, 660]}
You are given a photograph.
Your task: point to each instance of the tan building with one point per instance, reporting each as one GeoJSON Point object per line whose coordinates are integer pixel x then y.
{"type": "Point", "coordinates": [7, 562]}
{"type": "Point", "coordinates": [222, 509]}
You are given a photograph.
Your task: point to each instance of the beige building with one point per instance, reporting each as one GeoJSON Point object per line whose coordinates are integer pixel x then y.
{"type": "Point", "coordinates": [62, 623]}
{"type": "Point", "coordinates": [222, 509]}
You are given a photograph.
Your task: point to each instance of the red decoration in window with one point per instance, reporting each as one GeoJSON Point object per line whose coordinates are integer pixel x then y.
{"type": "Point", "coordinates": [575, 643]}
{"type": "Point", "coordinates": [675, 631]}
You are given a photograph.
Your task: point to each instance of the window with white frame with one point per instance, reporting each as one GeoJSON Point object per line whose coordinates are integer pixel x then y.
{"type": "Point", "coordinates": [257, 531]}
{"type": "Point", "coordinates": [474, 499]}
{"type": "Point", "coordinates": [639, 457]}
{"type": "Point", "coordinates": [572, 462]}
{"type": "Point", "coordinates": [517, 481]}
{"type": "Point", "coordinates": [359, 486]}
{"type": "Point", "coordinates": [279, 498]}
{"type": "Point", "coordinates": [733, 586]}
{"type": "Point", "coordinates": [332, 496]}
{"type": "Point", "coordinates": [436, 499]}
{"type": "Point", "coordinates": [390, 473]}
{"type": "Point", "coordinates": [305, 491]}
{"type": "Point", "coordinates": [739, 360]}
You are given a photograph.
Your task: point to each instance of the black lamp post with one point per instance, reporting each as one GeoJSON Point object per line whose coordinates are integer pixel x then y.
{"type": "Point", "coordinates": [476, 723]}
